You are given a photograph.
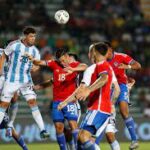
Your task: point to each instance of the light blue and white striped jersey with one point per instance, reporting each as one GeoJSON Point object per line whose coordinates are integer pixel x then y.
{"type": "Point", "coordinates": [20, 65]}
{"type": "Point", "coordinates": [5, 66]}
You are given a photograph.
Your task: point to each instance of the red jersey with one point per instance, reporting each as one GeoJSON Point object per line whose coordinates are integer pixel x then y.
{"type": "Point", "coordinates": [101, 98]}
{"type": "Point", "coordinates": [117, 59]}
{"type": "Point", "coordinates": [64, 85]}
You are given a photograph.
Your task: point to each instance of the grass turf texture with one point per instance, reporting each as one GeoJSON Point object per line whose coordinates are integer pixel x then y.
{"type": "Point", "coordinates": [54, 146]}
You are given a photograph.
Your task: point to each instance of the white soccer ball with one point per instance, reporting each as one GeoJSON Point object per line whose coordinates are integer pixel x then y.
{"type": "Point", "coordinates": [62, 16]}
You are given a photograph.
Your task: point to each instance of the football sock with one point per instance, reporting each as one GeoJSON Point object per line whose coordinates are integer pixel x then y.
{"type": "Point", "coordinates": [62, 141]}
{"type": "Point", "coordinates": [130, 125]}
{"type": "Point", "coordinates": [38, 118]}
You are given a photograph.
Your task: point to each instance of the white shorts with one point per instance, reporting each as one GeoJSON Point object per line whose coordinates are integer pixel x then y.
{"type": "Point", "coordinates": [9, 90]}
{"type": "Point", "coordinates": [2, 80]}
{"type": "Point", "coordinates": [111, 125]}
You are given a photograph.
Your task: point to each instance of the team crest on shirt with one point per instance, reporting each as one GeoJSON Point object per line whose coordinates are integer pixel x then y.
{"type": "Point", "coordinates": [57, 70]}
{"type": "Point", "coordinates": [116, 64]}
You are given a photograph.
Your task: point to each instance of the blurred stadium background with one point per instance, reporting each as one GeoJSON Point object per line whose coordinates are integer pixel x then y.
{"type": "Point", "coordinates": [125, 23]}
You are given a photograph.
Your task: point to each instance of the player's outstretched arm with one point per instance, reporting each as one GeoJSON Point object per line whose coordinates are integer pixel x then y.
{"type": "Point", "coordinates": [35, 61]}
{"type": "Point", "coordinates": [43, 85]}
{"type": "Point", "coordinates": [81, 67]}
{"type": "Point", "coordinates": [134, 65]}
{"type": "Point", "coordinates": [84, 92]}
{"type": "Point", "coordinates": [71, 98]}
{"type": "Point", "coordinates": [116, 91]}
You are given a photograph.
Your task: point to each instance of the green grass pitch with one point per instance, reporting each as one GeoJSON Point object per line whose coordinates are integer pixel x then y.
{"type": "Point", "coordinates": [53, 146]}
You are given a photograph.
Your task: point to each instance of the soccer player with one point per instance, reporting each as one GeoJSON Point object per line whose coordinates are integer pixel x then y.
{"type": "Point", "coordinates": [64, 84]}
{"type": "Point", "coordinates": [11, 132]}
{"type": "Point", "coordinates": [120, 63]}
{"type": "Point", "coordinates": [99, 89]}
{"type": "Point", "coordinates": [19, 77]}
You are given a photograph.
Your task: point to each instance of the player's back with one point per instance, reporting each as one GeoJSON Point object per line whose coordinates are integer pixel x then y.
{"type": "Point", "coordinates": [101, 98]}
{"type": "Point", "coordinates": [117, 59]}
{"type": "Point", "coordinates": [19, 65]}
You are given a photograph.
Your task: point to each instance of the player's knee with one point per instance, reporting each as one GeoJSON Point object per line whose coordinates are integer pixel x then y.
{"type": "Point", "coordinates": [73, 125]}
{"type": "Point", "coordinates": [59, 128]}
{"type": "Point", "coordinates": [124, 114]}
{"type": "Point", "coordinates": [110, 137]}
{"type": "Point", "coordinates": [32, 103]}
{"type": "Point", "coordinates": [4, 104]}
{"type": "Point", "coordinates": [82, 136]}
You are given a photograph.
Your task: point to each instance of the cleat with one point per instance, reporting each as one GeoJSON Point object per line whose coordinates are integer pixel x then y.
{"type": "Point", "coordinates": [9, 132]}
{"type": "Point", "coordinates": [44, 134]}
{"type": "Point", "coordinates": [133, 145]}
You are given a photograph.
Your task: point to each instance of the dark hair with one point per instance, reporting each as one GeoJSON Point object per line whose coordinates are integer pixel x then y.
{"type": "Point", "coordinates": [74, 56]}
{"type": "Point", "coordinates": [101, 48]}
{"type": "Point", "coordinates": [60, 52]}
{"type": "Point", "coordinates": [28, 30]}
{"type": "Point", "coordinates": [108, 43]}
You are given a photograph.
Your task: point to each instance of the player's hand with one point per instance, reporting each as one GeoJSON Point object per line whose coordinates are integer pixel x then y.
{"type": "Point", "coordinates": [37, 87]}
{"type": "Point", "coordinates": [29, 56]}
{"type": "Point", "coordinates": [69, 70]}
{"type": "Point", "coordinates": [61, 105]}
{"type": "Point", "coordinates": [83, 93]}
{"type": "Point", "coordinates": [123, 66]}
{"type": "Point", "coordinates": [131, 83]}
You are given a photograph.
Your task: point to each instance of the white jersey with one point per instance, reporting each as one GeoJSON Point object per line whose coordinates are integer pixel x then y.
{"type": "Point", "coordinates": [19, 65]}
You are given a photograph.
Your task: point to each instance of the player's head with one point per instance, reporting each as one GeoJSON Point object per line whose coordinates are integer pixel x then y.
{"type": "Point", "coordinates": [109, 54]}
{"type": "Point", "coordinates": [73, 57]}
{"type": "Point", "coordinates": [63, 57]}
{"type": "Point", "coordinates": [97, 52]}
{"type": "Point", "coordinates": [29, 35]}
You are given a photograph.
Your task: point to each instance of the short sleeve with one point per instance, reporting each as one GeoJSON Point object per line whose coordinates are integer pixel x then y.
{"type": "Point", "coordinates": [9, 49]}
{"type": "Point", "coordinates": [51, 64]}
{"type": "Point", "coordinates": [126, 59]}
{"type": "Point", "coordinates": [38, 56]}
{"type": "Point", "coordinates": [102, 68]}
{"type": "Point", "coordinates": [88, 75]}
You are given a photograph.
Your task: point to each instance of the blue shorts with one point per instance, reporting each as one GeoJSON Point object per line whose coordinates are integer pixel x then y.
{"type": "Point", "coordinates": [95, 122]}
{"type": "Point", "coordinates": [4, 123]}
{"type": "Point", "coordinates": [69, 112]}
{"type": "Point", "coordinates": [124, 94]}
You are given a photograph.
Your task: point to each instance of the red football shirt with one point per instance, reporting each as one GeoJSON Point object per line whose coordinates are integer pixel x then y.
{"type": "Point", "coordinates": [63, 85]}
{"type": "Point", "coordinates": [117, 59]}
{"type": "Point", "coordinates": [101, 98]}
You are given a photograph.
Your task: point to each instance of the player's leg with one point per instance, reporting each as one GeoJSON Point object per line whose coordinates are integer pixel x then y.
{"type": "Point", "coordinates": [123, 100]}
{"type": "Point", "coordinates": [94, 123]}
{"type": "Point", "coordinates": [7, 93]}
{"type": "Point", "coordinates": [13, 109]}
{"type": "Point", "coordinates": [68, 135]}
{"type": "Point", "coordinates": [30, 97]}
{"type": "Point", "coordinates": [71, 114]}
{"type": "Point", "coordinates": [58, 119]}
{"type": "Point", "coordinates": [19, 139]}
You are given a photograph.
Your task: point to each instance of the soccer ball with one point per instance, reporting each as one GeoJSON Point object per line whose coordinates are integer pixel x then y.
{"type": "Point", "coordinates": [62, 16]}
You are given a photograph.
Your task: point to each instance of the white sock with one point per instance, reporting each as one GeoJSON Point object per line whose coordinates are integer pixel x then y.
{"type": "Point", "coordinates": [115, 145]}
{"type": "Point", "coordinates": [38, 118]}
{"type": "Point", "coordinates": [14, 110]}
{"type": "Point", "coordinates": [2, 114]}
{"type": "Point", "coordinates": [97, 147]}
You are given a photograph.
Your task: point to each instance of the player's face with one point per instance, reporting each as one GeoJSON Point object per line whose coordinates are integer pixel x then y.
{"type": "Point", "coordinates": [64, 60]}
{"type": "Point", "coordinates": [72, 59]}
{"type": "Point", "coordinates": [30, 38]}
{"type": "Point", "coordinates": [109, 54]}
